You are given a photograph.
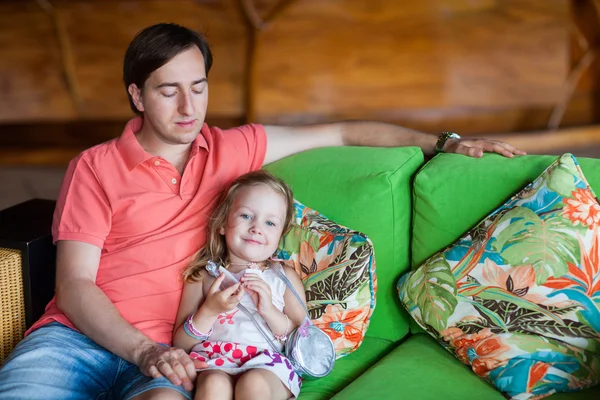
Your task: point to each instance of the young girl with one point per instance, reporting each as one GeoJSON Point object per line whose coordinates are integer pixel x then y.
{"type": "Point", "coordinates": [244, 232]}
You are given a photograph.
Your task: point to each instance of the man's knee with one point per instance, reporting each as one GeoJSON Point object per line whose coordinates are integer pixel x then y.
{"type": "Point", "coordinates": [55, 362]}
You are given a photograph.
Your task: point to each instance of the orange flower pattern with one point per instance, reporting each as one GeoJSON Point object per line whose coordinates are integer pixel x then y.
{"type": "Point", "coordinates": [337, 267]}
{"type": "Point", "coordinates": [583, 208]}
{"type": "Point", "coordinates": [344, 327]}
{"type": "Point", "coordinates": [483, 350]}
{"type": "Point", "coordinates": [519, 280]}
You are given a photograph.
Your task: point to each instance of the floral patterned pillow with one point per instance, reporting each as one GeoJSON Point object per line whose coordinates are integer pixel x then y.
{"type": "Point", "coordinates": [518, 297]}
{"type": "Point", "coordinates": [337, 267]}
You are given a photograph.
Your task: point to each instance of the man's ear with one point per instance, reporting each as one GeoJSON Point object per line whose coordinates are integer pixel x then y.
{"type": "Point", "coordinates": [136, 96]}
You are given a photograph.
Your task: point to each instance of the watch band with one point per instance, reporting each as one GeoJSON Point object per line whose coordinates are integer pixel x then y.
{"type": "Point", "coordinates": [444, 136]}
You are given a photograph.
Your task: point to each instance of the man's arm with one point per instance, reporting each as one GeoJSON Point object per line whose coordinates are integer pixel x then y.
{"type": "Point", "coordinates": [92, 312]}
{"type": "Point", "coordinates": [283, 141]}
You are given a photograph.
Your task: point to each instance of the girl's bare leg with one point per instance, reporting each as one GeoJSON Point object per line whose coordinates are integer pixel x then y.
{"type": "Point", "coordinates": [260, 384]}
{"type": "Point", "coordinates": [214, 385]}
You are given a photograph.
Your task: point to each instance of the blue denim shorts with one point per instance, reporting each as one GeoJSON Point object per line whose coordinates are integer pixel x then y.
{"type": "Point", "coordinates": [57, 362]}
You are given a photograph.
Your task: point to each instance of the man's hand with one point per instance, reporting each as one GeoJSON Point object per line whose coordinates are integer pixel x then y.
{"type": "Point", "coordinates": [175, 364]}
{"type": "Point", "coordinates": [475, 147]}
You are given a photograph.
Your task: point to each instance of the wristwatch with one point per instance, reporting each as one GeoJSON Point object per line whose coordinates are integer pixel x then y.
{"type": "Point", "coordinates": [439, 146]}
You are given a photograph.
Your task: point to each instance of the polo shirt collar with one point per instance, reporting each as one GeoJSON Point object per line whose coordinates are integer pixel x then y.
{"type": "Point", "coordinates": [134, 154]}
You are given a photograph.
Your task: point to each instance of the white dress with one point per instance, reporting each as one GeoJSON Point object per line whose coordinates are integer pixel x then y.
{"type": "Point", "coordinates": [236, 345]}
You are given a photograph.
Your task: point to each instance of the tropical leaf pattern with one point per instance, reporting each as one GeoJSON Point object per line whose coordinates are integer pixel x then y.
{"type": "Point", "coordinates": [337, 267]}
{"type": "Point", "coordinates": [518, 297]}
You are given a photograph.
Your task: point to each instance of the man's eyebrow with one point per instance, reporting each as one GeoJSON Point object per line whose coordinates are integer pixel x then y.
{"type": "Point", "coordinates": [175, 84]}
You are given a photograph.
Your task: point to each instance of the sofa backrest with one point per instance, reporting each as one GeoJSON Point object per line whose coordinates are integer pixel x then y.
{"type": "Point", "coordinates": [368, 190]}
{"type": "Point", "coordinates": [452, 193]}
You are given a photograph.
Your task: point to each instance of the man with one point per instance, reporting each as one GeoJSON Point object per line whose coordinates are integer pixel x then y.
{"type": "Point", "coordinates": [132, 212]}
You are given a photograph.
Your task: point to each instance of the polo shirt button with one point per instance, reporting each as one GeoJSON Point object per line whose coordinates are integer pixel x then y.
{"type": "Point", "coordinates": [157, 163]}
{"type": "Point", "coordinates": [173, 181]}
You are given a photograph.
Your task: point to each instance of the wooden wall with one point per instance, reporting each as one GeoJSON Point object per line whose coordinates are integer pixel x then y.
{"type": "Point", "coordinates": [80, 77]}
{"type": "Point", "coordinates": [473, 66]}
{"type": "Point", "coordinates": [476, 67]}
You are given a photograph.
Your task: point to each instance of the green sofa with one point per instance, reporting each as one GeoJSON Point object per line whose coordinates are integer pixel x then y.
{"type": "Point", "coordinates": [410, 210]}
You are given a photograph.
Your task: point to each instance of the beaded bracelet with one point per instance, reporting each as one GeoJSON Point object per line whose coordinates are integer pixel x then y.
{"type": "Point", "coordinates": [191, 331]}
{"type": "Point", "coordinates": [283, 337]}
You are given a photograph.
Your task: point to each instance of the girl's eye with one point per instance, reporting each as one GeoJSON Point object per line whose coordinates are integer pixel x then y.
{"type": "Point", "coordinates": [270, 223]}
{"type": "Point", "coordinates": [245, 216]}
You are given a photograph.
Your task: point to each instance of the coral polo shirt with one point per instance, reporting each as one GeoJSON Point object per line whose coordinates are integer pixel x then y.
{"type": "Point", "coordinates": [147, 218]}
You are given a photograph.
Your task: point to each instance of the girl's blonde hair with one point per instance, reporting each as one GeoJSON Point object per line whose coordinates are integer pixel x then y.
{"type": "Point", "coordinates": [215, 248]}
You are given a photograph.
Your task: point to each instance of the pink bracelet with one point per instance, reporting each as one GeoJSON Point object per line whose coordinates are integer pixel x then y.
{"type": "Point", "coordinates": [190, 329]}
{"type": "Point", "coordinates": [283, 337]}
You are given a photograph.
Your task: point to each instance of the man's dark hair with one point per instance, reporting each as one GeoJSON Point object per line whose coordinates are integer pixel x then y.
{"type": "Point", "coordinates": [155, 46]}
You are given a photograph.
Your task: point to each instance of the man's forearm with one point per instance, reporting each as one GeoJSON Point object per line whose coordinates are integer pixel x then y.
{"type": "Point", "coordinates": [92, 312]}
{"type": "Point", "coordinates": [380, 134]}
{"type": "Point", "coordinates": [283, 141]}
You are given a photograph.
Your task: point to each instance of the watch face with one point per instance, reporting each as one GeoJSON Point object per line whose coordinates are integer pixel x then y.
{"type": "Point", "coordinates": [443, 139]}
{"type": "Point", "coordinates": [449, 135]}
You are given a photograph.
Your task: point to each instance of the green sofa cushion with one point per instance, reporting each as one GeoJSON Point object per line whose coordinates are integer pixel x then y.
{"type": "Point", "coordinates": [420, 369]}
{"type": "Point", "coordinates": [346, 370]}
{"type": "Point", "coordinates": [368, 190]}
{"type": "Point", "coordinates": [481, 185]}
{"type": "Point", "coordinates": [453, 192]}
{"type": "Point", "coordinates": [514, 297]}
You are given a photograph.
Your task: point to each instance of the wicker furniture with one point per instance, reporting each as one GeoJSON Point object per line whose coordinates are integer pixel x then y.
{"type": "Point", "coordinates": [27, 268]}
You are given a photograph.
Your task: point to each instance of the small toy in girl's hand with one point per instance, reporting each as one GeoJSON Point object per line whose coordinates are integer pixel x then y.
{"type": "Point", "coordinates": [212, 268]}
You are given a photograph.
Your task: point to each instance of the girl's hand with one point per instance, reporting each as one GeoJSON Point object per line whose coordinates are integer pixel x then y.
{"type": "Point", "coordinates": [218, 301]}
{"type": "Point", "coordinates": [260, 292]}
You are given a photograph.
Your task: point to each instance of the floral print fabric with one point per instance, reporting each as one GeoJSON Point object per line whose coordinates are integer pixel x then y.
{"type": "Point", "coordinates": [337, 267]}
{"type": "Point", "coordinates": [224, 352]}
{"type": "Point", "coordinates": [236, 358]}
{"type": "Point", "coordinates": [518, 297]}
